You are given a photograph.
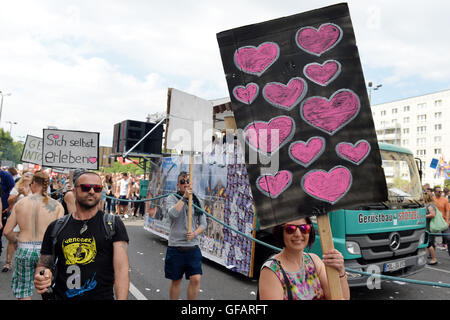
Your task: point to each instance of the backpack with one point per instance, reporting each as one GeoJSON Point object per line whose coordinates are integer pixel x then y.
{"type": "Point", "coordinates": [108, 222]}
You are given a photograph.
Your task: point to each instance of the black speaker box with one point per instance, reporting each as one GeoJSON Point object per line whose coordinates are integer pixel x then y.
{"type": "Point", "coordinates": [127, 133]}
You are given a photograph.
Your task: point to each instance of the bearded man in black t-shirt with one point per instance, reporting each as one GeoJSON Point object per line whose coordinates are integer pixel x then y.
{"type": "Point", "coordinates": [90, 266]}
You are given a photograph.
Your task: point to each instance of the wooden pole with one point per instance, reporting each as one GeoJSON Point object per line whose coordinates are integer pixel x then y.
{"type": "Point", "coordinates": [70, 180]}
{"type": "Point", "coordinates": [191, 178]}
{"type": "Point", "coordinates": [326, 241]}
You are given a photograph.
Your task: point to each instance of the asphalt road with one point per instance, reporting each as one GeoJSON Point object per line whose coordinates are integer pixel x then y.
{"type": "Point", "coordinates": [147, 252]}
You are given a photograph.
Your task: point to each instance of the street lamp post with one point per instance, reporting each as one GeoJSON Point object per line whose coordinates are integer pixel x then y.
{"type": "Point", "coordinates": [370, 84]}
{"type": "Point", "coordinates": [10, 126]}
{"type": "Point", "coordinates": [1, 102]}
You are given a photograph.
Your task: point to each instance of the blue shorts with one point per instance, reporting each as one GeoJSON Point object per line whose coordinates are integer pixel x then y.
{"type": "Point", "coordinates": [179, 262]}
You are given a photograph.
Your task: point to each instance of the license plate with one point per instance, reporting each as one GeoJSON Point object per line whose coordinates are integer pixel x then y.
{"type": "Point", "coordinates": [394, 266]}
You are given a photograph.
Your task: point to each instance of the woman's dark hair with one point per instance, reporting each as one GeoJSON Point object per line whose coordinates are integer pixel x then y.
{"type": "Point", "coordinates": [278, 232]}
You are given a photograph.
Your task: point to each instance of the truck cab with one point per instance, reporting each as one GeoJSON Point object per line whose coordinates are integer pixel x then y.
{"type": "Point", "coordinates": [386, 238]}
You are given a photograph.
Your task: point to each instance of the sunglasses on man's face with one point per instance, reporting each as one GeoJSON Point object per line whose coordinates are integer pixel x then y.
{"type": "Point", "coordinates": [87, 187]}
{"type": "Point", "coordinates": [183, 181]}
{"type": "Point", "coordinates": [291, 228]}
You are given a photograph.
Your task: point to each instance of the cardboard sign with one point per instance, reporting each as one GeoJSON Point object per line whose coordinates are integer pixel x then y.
{"type": "Point", "coordinates": [190, 126]}
{"type": "Point", "coordinates": [300, 101]}
{"type": "Point", "coordinates": [70, 149]}
{"type": "Point", "coordinates": [32, 151]}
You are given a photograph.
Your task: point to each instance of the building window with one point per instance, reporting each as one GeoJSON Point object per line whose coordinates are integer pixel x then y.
{"type": "Point", "coordinates": [394, 111]}
{"type": "Point", "coordinates": [438, 103]}
{"type": "Point", "coordinates": [422, 105]}
{"type": "Point", "coordinates": [438, 115]}
{"type": "Point", "coordinates": [383, 113]}
{"type": "Point", "coordinates": [437, 151]}
{"type": "Point", "coordinates": [405, 142]}
{"type": "Point", "coordinates": [394, 121]}
{"type": "Point", "coordinates": [406, 130]}
{"type": "Point", "coordinates": [383, 123]}
{"type": "Point", "coordinates": [438, 127]}
{"type": "Point", "coordinates": [421, 152]}
{"type": "Point", "coordinates": [422, 129]}
{"type": "Point", "coordinates": [437, 139]}
{"type": "Point", "coordinates": [422, 118]}
{"type": "Point", "coordinates": [406, 120]}
{"type": "Point", "coordinates": [406, 108]}
{"type": "Point", "coordinates": [421, 142]}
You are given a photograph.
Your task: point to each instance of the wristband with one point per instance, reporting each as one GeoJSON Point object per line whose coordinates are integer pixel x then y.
{"type": "Point", "coordinates": [343, 275]}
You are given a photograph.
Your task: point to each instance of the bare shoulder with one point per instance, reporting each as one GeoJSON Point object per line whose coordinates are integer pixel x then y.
{"type": "Point", "coordinates": [317, 261]}
{"type": "Point", "coordinates": [52, 205]}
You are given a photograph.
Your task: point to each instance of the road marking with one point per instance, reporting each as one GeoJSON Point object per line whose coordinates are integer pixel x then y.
{"type": "Point", "coordinates": [136, 293]}
{"type": "Point", "coordinates": [436, 269]}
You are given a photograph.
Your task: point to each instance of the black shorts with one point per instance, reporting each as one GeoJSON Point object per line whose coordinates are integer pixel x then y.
{"type": "Point", "coordinates": [122, 203]}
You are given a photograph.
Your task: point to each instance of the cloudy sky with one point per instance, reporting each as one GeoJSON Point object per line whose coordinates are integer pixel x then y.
{"type": "Point", "coordinates": [86, 65]}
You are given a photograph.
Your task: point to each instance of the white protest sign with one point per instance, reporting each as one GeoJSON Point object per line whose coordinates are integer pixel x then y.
{"type": "Point", "coordinates": [70, 149]}
{"type": "Point", "coordinates": [32, 151]}
{"type": "Point", "coordinates": [191, 122]}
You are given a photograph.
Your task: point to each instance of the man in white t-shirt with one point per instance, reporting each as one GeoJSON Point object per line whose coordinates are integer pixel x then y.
{"type": "Point", "coordinates": [124, 192]}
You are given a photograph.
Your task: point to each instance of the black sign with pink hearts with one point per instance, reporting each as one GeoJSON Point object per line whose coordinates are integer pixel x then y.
{"type": "Point", "coordinates": [299, 99]}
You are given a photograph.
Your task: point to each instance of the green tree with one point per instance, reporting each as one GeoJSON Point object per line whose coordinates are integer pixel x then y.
{"type": "Point", "coordinates": [118, 167]}
{"type": "Point", "coordinates": [9, 149]}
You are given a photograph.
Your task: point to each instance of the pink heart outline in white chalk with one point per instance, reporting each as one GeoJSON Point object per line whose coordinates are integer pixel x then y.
{"type": "Point", "coordinates": [240, 92]}
{"type": "Point", "coordinates": [350, 155]}
{"type": "Point", "coordinates": [268, 123]}
{"type": "Point", "coordinates": [308, 72]}
{"type": "Point", "coordinates": [93, 160]}
{"type": "Point", "coordinates": [277, 104]}
{"type": "Point", "coordinates": [317, 154]}
{"type": "Point", "coordinates": [319, 37]}
{"type": "Point", "coordinates": [327, 121]}
{"type": "Point", "coordinates": [317, 184]}
{"type": "Point", "coordinates": [243, 58]}
{"type": "Point", "coordinates": [268, 189]}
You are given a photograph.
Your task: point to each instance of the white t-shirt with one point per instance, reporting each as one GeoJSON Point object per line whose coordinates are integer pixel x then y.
{"type": "Point", "coordinates": [124, 187]}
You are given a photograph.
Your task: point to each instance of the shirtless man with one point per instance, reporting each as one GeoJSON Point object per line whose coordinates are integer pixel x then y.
{"type": "Point", "coordinates": [33, 214]}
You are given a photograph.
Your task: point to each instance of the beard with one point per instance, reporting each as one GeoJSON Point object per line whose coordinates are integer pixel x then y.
{"type": "Point", "coordinates": [88, 204]}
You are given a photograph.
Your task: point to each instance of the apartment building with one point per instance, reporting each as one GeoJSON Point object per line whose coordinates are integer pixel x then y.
{"type": "Point", "coordinates": [421, 124]}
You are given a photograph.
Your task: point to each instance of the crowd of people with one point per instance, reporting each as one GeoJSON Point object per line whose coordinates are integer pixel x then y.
{"type": "Point", "coordinates": [32, 202]}
{"type": "Point", "coordinates": [437, 199]}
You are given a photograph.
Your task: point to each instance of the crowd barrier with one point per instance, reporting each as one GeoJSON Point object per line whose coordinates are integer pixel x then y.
{"type": "Point", "coordinates": [405, 280]}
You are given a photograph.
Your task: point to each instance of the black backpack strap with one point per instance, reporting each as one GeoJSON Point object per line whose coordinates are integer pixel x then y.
{"type": "Point", "coordinates": [286, 280]}
{"type": "Point", "coordinates": [109, 221]}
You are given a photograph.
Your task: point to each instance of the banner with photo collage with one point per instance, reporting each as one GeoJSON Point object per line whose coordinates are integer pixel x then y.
{"type": "Point", "coordinates": [221, 182]}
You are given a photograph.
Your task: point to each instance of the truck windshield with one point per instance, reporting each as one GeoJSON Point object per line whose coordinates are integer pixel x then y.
{"type": "Point", "coordinates": [402, 176]}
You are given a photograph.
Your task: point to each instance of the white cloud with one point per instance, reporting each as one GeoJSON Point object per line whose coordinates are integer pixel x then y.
{"type": "Point", "coordinates": [87, 65]}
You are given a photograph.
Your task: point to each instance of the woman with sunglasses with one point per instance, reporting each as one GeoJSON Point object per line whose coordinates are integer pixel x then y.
{"type": "Point", "coordinates": [294, 274]}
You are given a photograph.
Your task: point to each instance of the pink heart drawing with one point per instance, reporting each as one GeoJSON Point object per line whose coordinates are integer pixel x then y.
{"type": "Point", "coordinates": [274, 185]}
{"type": "Point", "coordinates": [317, 41]}
{"type": "Point", "coordinates": [331, 115]}
{"type": "Point", "coordinates": [92, 160]}
{"type": "Point", "coordinates": [256, 60]}
{"type": "Point", "coordinates": [356, 153]}
{"type": "Point", "coordinates": [322, 74]}
{"type": "Point", "coordinates": [285, 96]}
{"type": "Point", "coordinates": [328, 186]}
{"type": "Point", "coordinates": [56, 136]}
{"type": "Point", "coordinates": [246, 94]}
{"type": "Point", "coordinates": [305, 153]}
{"type": "Point", "coordinates": [268, 137]}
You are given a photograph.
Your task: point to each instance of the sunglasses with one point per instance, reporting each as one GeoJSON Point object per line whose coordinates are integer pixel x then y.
{"type": "Point", "coordinates": [182, 181]}
{"type": "Point", "coordinates": [87, 187]}
{"type": "Point", "coordinates": [291, 228]}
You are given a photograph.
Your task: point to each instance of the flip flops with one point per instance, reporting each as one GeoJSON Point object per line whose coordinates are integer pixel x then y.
{"type": "Point", "coordinates": [432, 263]}
{"type": "Point", "coordinates": [6, 268]}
